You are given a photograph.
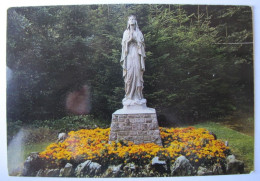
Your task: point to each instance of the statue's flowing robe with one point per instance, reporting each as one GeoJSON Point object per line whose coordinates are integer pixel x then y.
{"type": "Point", "coordinates": [132, 61]}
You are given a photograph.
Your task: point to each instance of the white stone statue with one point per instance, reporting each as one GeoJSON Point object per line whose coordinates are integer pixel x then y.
{"type": "Point", "coordinates": [133, 63]}
{"type": "Point", "coordinates": [135, 115]}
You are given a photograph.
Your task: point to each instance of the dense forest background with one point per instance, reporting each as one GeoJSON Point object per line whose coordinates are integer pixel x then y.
{"type": "Point", "coordinates": [199, 61]}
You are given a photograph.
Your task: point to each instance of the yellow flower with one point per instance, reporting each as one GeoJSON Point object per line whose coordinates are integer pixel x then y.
{"type": "Point", "coordinates": [93, 144]}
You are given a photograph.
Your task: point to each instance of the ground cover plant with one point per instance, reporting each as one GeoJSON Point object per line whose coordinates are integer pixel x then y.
{"type": "Point", "coordinates": [242, 145]}
{"type": "Point", "coordinates": [198, 145]}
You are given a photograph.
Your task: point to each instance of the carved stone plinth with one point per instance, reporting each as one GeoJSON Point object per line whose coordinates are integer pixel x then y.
{"type": "Point", "coordinates": [135, 126]}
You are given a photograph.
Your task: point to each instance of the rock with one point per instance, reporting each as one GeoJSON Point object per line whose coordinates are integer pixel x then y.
{"type": "Point", "coordinates": [88, 168]}
{"type": "Point", "coordinates": [182, 167]}
{"type": "Point", "coordinates": [32, 165]}
{"type": "Point", "coordinates": [217, 169]}
{"type": "Point", "coordinates": [156, 161]}
{"type": "Point", "coordinates": [158, 165]}
{"type": "Point", "coordinates": [40, 173]}
{"type": "Point", "coordinates": [62, 172]}
{"type": "Point", "coordinates": [80, 169]}
{"type": "Point", "coordinates": [230, 158]}
{"type": "Point", "coordinates": [113, 171]}
{"type": "Point", "coordinates": [234, 166]}
{"type": "Point", "coordinates": [94, 169]}
{"type": "Point", "coordinates": [203, 171]}
{"type": "Point", "coordinates": [48, 173]}
{"type": "Point", "coordinates": [148, 169]}
{"type": "Point", "coordinates": [67, 171]}
{"type": "Point", "coordinates": [52, 173]}
{"type": "Point", "coordinates": [226, 143]}
{"type": "Point", "coordinates": [62, 137]}
{"type": "Point", "coordinates": [130, 167]}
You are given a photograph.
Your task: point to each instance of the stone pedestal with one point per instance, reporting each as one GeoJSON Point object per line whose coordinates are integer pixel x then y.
{"type": "Point", "coordinates": [138, 126]}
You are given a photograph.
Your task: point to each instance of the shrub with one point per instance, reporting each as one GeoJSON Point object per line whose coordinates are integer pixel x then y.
{"type": "Point", "coordinates": [70, 123]}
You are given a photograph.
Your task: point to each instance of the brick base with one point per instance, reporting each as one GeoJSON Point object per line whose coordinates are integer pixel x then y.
{"type": "Point", "coordinates": [138, 128]}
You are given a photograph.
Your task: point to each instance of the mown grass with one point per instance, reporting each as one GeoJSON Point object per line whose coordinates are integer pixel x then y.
{"type": "Point", "coordinates": [241, 145]}
{"type": "Point", "coordinates": [35, 147]}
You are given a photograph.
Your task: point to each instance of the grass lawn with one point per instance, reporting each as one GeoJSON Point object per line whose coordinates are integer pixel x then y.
{"type": "Point", "coordinates": [241, 145]}
{"type": "Point", "coordinates": [36, 147]}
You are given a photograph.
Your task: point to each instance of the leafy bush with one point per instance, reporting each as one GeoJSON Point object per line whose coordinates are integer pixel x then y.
{"type": "Point", "coordinates": [39, 135]}
{"type": "Point", "coordinates": [12, 128]}
{"type": "Point", "coordinates": [70, 123]}
{"type": "Point", "coordinates": [51, 127]}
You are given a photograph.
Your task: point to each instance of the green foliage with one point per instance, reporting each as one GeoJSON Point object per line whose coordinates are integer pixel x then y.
{"type": "Point", "coordinates": [196, 60]}
{"type": "Point", "coordinates": [241, 145]}
{"type": "Point", "coordinates": [12, 128]}
{"type": "Point", "coordinates": [46, 130]}
{"type": "Point", "coordinates": [70, 123]}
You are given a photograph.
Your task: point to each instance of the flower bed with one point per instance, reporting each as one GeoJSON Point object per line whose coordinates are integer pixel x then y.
{"type": "Point", "coordinates": [197, 145]}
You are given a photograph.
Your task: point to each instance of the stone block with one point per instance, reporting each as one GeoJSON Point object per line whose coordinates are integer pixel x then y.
{"type": "Point", "coordinates": [147, 138]}
{"type": "Point", "coordinates": [139, 120]}
{"type": "Point", "coordinates": [156, 132]}
{"type": "Point", "coordinates": [139, 128]}
{"type": "Point", "coordinates": [122, 133]}
{"type": "Point", "coordinates": [121, 125]}
{"type": "Point", "coordinates": [154, 116]}
{"type": "Point", "coordinates": [150, 132]}
{"type": "Point", "coordinates": [148, 120]}
{"type": "Point", "coordinates": [133, 133]}
{"type": "Point", "coordinates": [154, 120]}
{"type": "Point", "coordinates": [121, 138]}
{"type": "Point", "coordinates": [131, 116]}
{"type": "Point", "coordinates": [142, 133]}
{"type": "Point", "coordinates": [114, 119]}
{"type": "Point", "coordinates": [144, 127]}
{"type": "Point", "coordinates": [115, 116]}
{"type": "Point", "coordinates": [128, 128]}
{"type": "Point", "coordinates": [158, 141]}
{"type": "Point", "coordinates": [120, 119]}
{"type": "Point", "coordinates": [132, 121]}
{"type": "Point", "coordinates": [153, 126]}
{"type": "Point", "coordinates": [137, 142]}
{"type": "Point", "coordinates": [149, 141]}
{"type": "Point", "coordinates": [140, 138]}
{"type": "Point", "coordinates": [113, 136]}
{"type": "Point", "coordinates": [136, 127]}
{"type": "Point", "coordinates": [123, 115]}
{"type": "Point", "coordinates": [129, 138]}
{"type": "Point", "coordinates": [127, 122]}
{"type": "Point", "coordinates": [114, 126]}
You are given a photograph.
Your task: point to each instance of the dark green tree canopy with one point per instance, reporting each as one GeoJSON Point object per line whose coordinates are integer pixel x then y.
{"type": "Point", "coordinates": [199, 59]}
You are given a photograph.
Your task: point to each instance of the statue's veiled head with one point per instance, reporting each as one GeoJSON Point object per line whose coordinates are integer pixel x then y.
{"type": "Point", "coordinates": [132, 21]}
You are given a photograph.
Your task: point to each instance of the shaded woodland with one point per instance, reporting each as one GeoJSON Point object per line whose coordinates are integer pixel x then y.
{"type": "Point", "coordinates": [199, 63]}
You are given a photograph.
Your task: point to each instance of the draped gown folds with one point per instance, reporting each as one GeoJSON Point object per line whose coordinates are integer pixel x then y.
{"type": "Point", "coordinates": [132, 61]}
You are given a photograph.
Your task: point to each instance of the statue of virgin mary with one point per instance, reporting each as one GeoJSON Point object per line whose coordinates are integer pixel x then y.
{"type": "Point", "coordinates": [133, 63]}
